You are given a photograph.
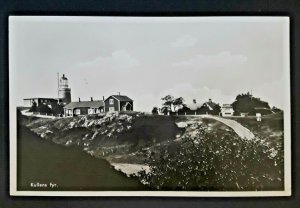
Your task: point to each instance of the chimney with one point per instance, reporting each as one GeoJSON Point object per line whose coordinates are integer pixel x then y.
{"type": "Point", "coordinates": [119, 93]}
{"type": "Point", "coordinates": [79, 99]}
{"type": "Point", "coordinates": [209, 100]}
{"type": "Point", "coordinates": [103, 97]}
{"type": "Point", "coordinates": [91, 98]}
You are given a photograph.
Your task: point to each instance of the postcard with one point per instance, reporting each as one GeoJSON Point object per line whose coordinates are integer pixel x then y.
{"type": "Point", "coordinates": [149, 106]}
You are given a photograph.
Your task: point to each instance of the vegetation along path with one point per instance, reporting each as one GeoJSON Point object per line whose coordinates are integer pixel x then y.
{"type": "Point", "coordinates": [242, 131]}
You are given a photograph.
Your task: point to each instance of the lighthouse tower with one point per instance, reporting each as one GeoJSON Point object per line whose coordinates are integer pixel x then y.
{"type": "Point", "coordinates": [64, 92]}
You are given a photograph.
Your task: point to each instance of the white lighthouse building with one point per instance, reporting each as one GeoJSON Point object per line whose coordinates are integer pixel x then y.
{"type": "Point", "coordinates": [64, 92]}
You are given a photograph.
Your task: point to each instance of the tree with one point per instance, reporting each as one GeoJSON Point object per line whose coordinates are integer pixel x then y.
{"type": "Point", "coordinates": [246, 103]}
{"type": "Point", "coordinates": [168, 102]}
{"type": "Point", "coordinates": [184, 110]}
{"type": "Point", "coordinates": [57, 109]}
{"type": "Point", "coordinates": [44, 109]}
{"type": "Point", "coordinates": [33, 107]}
{"type": "Point", "coordinates": [216, 109]}
{"type": "Point", "coordinates": [276, 110]}
{"type": "Point", "coordinates": [172, 104]}
{"type": "Point", "coordinates": [155, 111]}
{"type": "Point", "coordinates": [178, 103]}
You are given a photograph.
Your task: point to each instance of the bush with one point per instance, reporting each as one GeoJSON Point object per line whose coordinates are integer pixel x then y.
{"type": "Point", "coordinates": [33, 107]}
{"type": "Point", "coordinates": [212, 162]}
{"type": "Point", "coordinates": [44, 109]}
{"type": "Point", "coordinates": [155, 111]}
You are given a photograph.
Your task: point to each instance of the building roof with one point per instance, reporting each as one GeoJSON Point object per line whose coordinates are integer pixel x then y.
{"type": "Point", "coordinates": [40, 98]}
{"type": "Point", "coordinates": [227, 106]}
{"type": "Point", "coordinates": [210, 105]}
{"type": "Point", "coordinates": [85, 104]}
{"type": "Point", "coordinates": [193, 106]}
{"type": "Point", "coordinates": [120, 98]}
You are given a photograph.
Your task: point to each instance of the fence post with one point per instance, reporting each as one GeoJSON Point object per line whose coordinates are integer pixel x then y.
{"type": "Point", "coordinates": [195, 112]}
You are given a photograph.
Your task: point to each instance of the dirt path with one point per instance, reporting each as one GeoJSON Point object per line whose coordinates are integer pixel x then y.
{"type": "Point", "coordinates": [129, 169]}
{"type": "Point", "coordinates": [242, 131]}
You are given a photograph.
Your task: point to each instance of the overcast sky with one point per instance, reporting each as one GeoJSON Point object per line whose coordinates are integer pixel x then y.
{"type": "Point", "coordinates": [147, 58]}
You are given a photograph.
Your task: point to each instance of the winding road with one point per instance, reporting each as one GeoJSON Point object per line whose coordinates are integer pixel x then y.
{"type": "Point", "coordinates": [242, 131]}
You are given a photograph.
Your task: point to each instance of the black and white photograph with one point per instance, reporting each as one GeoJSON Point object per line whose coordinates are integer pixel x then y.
{"type": "Point", "coordinates": [149, 106]}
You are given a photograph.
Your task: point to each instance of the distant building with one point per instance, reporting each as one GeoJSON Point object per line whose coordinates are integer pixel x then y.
{"type": "Point", "coordinates": [83, 108]}
{"type": "Point", "coordinates": [27, 102]}
{"type": "Point", "coordinates": [111, 104]}
{"type": "Point", "coordinates": [195, 108]}
{"type": "Point", "coordinates": [227, 110]}
{"type": "Point", "coordinates": [118, 103]}
{"type": "Point", "coordinates": [209, 107]}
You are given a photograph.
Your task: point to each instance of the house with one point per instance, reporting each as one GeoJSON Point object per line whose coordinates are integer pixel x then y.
{"type": "Point", "coordinates": [190, 108]}
{"type": "Point", "coordinates": [227, 110]}
{"type": "Point", "coordinates": [27, 102]}
{"type": "Point", "coordinates": [209, 107]}
{"type": "Point", "coordinates": [118, 103]}
{"type": "Point", "coordinates": [195, 108]}
{"type": "Point", "coordinates": [84, 108]}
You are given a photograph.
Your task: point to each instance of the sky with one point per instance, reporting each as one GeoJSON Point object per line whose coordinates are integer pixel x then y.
{"type": "Point", "coordinates": [147, 58]}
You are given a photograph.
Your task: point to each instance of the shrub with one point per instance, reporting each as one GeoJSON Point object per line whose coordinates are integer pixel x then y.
{"type": "Point", "coordinates": [44, 109]}
{"type": "Point", "coordinates": [155, 111]}
{"type": "Point", "coordinates": [212, 162]}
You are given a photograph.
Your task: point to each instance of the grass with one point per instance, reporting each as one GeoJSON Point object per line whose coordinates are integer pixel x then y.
{"type": "Point", "coordinates": [270, 129]}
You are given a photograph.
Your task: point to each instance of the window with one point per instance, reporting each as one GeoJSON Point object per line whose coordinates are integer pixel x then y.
{"type": "Point", "coordinates": [111, 109]}
{"type": "Point", "coordinates": [111, 101]}
{"type": "Point", "coordinates": [91, 111]}
{"type": "Point", "coordinates": [69, 112]}
{"type": "Point", "coordinates": [77, 111]}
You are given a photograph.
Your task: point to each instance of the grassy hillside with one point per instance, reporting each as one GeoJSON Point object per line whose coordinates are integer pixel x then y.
{"type": "Point", "coordinates": [41, 161]}
{"type": "Point", "coordinates": [210, 157]}
{"type": "Point", "coordinates": [270, 129]}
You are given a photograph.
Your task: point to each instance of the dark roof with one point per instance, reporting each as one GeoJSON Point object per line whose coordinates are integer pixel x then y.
{"type": "Point", "coordinates": [121, 98]}
{"type": "Point", "coordinates": [40, 98]}
{"type": "Point", "coordinates": [85, 104]}
{"type": "Point", "coordinates": [210, 105]}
